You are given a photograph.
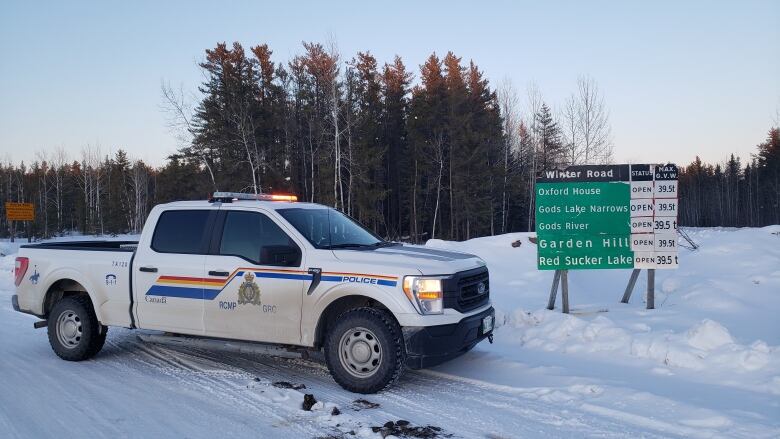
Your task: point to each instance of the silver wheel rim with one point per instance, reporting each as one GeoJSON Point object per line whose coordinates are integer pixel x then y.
{"type": "Point", "coordinates": [360, 352]}
{"type": "Point", "coordinates": [69, 329]}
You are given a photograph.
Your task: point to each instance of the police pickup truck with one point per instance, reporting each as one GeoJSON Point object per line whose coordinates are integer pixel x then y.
{"type": "Point", "coordinates": [263, 268]}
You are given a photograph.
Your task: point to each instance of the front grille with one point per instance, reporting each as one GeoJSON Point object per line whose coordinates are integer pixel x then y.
{"type": "Point", "coordinates": [462, 291]}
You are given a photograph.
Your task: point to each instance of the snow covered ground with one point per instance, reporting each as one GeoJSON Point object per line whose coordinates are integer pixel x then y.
{"type": "Point", "coordinates": [705, 363]}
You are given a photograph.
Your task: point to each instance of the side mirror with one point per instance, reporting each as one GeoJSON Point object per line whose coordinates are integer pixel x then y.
{"type": "Point", "coordinates": [280, 255]}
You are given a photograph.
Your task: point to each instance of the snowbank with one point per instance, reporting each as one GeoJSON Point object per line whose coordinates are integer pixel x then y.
{"type": "Point", "coordinates": [716, 316]}
{"type": "Point", "coordinates": [706, 345]}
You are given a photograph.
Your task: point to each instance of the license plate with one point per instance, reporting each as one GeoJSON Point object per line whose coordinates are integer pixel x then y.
{"type": "Point", "coordinates": [487, 324]}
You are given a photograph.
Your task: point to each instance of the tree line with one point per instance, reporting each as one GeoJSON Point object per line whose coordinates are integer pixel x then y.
{"type": "Point", "coordinates": [733, 194]}
{"type": "Point", "coordinates": [441, 153]}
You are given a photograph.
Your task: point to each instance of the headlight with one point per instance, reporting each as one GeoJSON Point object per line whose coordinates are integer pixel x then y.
{"type": "Point", "coordinates": [425, 293]}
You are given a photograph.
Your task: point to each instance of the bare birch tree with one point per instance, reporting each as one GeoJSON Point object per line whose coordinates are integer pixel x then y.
{"type": "Point", "coordinates": [180, 111]}
{"type": "Point", "coordinates": [594, 126]}
{"type": "Point", "coordinates": [509, 102]}
{"type": "Point", "coordinates": [533, 105]}
{"type": "Point", "coordinates": [91, 181]}
{"type": "Point", "coordinates": [139, 187]}
{"type": "Point", "coordinates": [334, 109]}
{"type": "Point", "coordinates": [438, 160]}
{"type": "Point", "coordinates": [59, 160]}
{"type": "Point", "coordinates": [569, 121]}
{"type": "Point", "coordinates": [43, 200]}
{"type": "Point", "coordinates": [241, 115]}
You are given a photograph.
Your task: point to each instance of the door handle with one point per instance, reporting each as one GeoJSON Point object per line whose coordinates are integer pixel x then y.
{"type": "Point", "coordinates": [148, 269]}
{"type": "Point", "coordinates": [219, 273]}
{"type": "Point", "coordinates": [316, 276]}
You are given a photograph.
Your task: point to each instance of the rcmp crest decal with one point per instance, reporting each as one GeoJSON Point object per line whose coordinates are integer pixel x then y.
{"type": "Point", "coordinates": [249, 292]}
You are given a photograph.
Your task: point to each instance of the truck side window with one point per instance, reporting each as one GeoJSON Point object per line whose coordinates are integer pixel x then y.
{"type": "Point", "coordinates": [180, 231]}
{"type": "Point", "coordinates": [256, 238]}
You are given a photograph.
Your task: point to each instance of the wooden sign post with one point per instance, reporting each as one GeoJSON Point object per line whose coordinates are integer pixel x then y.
{"type": "Point", "coordinates": [19, 212]}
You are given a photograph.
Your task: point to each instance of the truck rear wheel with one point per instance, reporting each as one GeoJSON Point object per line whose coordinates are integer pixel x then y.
{"type": "Point", "coordinates": [365, 350]}
{"type": "Point", "coordinates": [74, 331]}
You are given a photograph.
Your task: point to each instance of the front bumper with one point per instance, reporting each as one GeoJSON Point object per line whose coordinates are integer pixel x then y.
{"type": "Point", "coordinates": [427, 346]}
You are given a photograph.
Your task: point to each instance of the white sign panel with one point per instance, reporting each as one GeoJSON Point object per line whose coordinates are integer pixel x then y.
{"type": "Point", "coordinates": [643, 242]}
{"type": "Point", "coordinates": [665, 243]}
{"type": "Point", "coordinates": [644, 260]}
{"type": "Point", "coordinates": [642, 225]}
{"type": "Point", "coordinates": [641, 207]}
{"type": "Point", "coordinates": [665, 189]}
{"type": "Point", "coordinates": [642, 189]}
{"type": "Point", "coordinates": [665, 207]}
{"type": "Point", "coordinates": [654, 209]}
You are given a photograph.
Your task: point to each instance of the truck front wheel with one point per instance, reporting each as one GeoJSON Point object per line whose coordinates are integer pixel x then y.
{"type": "Point", "coordinates": [365, 350]}
{"type": "Point", "coordinates": [74, 331]}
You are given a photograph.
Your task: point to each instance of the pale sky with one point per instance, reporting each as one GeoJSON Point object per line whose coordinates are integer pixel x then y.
{"type": "Point", "coordinates": [679, 78]}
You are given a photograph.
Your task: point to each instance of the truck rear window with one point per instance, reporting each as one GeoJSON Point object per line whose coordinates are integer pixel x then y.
{"type": "Point", "coordinates": [180, 231]}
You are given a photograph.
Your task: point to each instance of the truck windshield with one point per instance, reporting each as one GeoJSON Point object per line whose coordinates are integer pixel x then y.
{"type": "Point", "coordinates": [327, 228]}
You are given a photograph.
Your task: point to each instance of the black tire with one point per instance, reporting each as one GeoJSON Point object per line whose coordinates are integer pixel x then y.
{"type": "Point", "coordinates": [391, 363]}
{"type": "Point", "coordinates": [87, 336]}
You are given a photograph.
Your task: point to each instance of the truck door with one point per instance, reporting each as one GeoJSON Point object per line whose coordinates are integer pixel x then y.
{"type": "Point", "coordinates": [169, 272]}
{"type": "Point", "coordinates": [261, 267]}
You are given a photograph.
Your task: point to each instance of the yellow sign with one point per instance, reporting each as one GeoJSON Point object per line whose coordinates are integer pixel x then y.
{"type": "Point", "coordinates": [19, 211]}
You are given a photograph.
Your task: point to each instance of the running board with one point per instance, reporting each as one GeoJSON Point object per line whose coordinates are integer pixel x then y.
{"type": "Point", "coordinates": [225, 345]}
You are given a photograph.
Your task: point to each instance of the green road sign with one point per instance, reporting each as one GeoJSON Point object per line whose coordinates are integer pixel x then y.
{"type": "Point", "coordinates": [607, 216]}
{"type": "Point", "coordinates": [583, 208]}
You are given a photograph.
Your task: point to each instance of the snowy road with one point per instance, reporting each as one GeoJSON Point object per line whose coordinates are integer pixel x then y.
{"type": "Point", "coordinates": [134, 389]}
{"type": "Point", "coordinates": [607, 370]}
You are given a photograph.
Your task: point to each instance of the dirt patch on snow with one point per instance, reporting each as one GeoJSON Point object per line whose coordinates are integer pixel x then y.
{"type": "Point", "coordinates": [402, 428]}
{"type": "Point", "coordinates": [362, 404]}
{"type": "Point", "coordinates": [308, 402]}
{"type": "Point", "coordinates": [286, 385]}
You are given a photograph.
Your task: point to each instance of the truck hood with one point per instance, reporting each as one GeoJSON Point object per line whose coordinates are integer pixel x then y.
{"type": "Point", "coordinates": [413, 257]}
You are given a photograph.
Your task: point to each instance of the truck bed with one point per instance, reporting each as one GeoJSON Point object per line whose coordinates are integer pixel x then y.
{"type": "Point", "coordinates": [127, 246]}
{"type": "Point", "coordinates": [102, 268]}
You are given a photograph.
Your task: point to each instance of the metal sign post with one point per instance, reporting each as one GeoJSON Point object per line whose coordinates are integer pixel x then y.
{"type": "Point", "coordinates": [630, 286]}
{"type": "Point", "coordinates": [650, 287]}
{"type": "Point", "coordinates": [562, 277]}
{"type": "Point", "coordinates": [554, 290]}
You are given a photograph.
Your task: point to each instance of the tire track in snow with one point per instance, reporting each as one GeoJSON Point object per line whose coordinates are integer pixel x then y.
{"type": "Point", "coordinates": [192, 369]}
{"type": "Point", "coordinates": [224, 383]}
{"type": "Point", "coordinates": [454, 403]}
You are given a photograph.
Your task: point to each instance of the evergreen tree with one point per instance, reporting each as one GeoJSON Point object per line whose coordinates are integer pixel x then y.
{"type": "Point", "coordinates": [397, 161]}
{"type": "Point", "coordinates": [426, 127]}
{"type": "Point", "coordinates": [366, 144]}
{"type": "Point", "coordinates": [550, 151]}
{"type": "Point", "coordinates": [180, 179]}
{"type": "Point", "coordinates": [769, 177]}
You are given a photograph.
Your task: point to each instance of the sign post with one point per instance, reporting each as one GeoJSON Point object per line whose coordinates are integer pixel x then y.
{"type": "Point", "coordinates": [19, 212]}
{"type": "Point", "coordinates": [607, 216]}
{"type": "Point", "coordinates": [554, 290]}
